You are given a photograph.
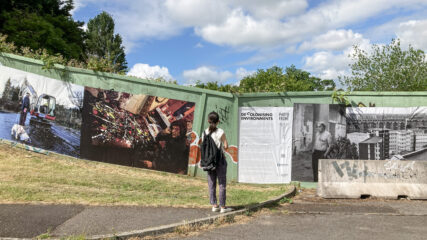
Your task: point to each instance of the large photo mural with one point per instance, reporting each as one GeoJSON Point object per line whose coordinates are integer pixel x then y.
{"type": "Point", "coordinates": [97, 124]}
{"type": "Point", "coordinates": [40, 112]}
{"type": "Point", "coordinates": [137, 130]}
{"type": "Point", "coordinates": [318, 130]}
{"type": "Point", "coordinates": [323, 131]}
{"type": "Point", "coordinates": [378, 133]}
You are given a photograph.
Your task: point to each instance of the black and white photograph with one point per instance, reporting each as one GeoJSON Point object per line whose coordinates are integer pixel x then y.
{"type": "Point", "coordinates": [380, 133]}
{"type": "Point", "coordinates": [323, 131]}
{"type": "Point", "coordinates": [318, 132]}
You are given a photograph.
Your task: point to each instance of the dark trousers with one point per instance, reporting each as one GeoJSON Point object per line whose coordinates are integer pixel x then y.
{"type": "Point", "coordinates": [315, 163]}
{"type": "Point", "coordinates": [22, 118]}
{"type": "Point", "coordinates": [219, 173]}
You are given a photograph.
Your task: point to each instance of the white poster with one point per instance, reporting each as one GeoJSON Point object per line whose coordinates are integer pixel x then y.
{"type": "Point", "coordinates": [265, 149]}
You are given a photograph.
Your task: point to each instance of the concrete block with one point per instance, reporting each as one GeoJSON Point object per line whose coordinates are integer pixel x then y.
{"type": "Point", "coordinates": [375, 178]}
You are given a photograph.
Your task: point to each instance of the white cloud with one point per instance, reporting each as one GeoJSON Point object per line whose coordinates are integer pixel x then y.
{"type": "Point", "coordinates": [206, 74]}
{"type": "Point", "coordinates": [191, 13]}
{"type": "Point", "coordinates": [77, 5]}
{"type": "Point", "coordinates": [143, 19]}
{"type": "Point", "coordinates": [276, 9]}
{"type": "Point", "coordinates": [333, 40]}
{"type": "Point", "coordinates": [242, 72]}
{"type": "Point", "coordinates": [329, 65]}
{"type": "Point", "coordinates": [84, 27]}
{"type": "Point", "coordinates": [326, 64]}
{"type": "Point", "coordinates": [199, 45]}
{"type": "Point", "coordinates": [137, 20]}
{"type": "Point", "coordinates": [247, 24]}
{"type": "Point", "coordinates": [414, 33]}
{"type": "Point", "coordinates": [242, 28]}
{"type": "Point", "coordinates": [150, 72]}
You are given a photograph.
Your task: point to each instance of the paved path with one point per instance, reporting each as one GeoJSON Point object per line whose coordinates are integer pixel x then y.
{"type": "Point", "coordinates": [26, 221]}
{"type": "Point", "coordinates": [29, 221]}
{"type": "Point", "coordinates": [310, 217]}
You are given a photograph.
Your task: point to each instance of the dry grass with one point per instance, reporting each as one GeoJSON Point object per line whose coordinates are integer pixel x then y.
{"type": "Point", "coordinates": [195, 230]}
{"type": "Point", "coordinates": [31, 177]}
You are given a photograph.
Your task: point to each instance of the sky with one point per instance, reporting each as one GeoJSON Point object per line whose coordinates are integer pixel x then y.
{"type": "Point", "coordinates": [226, 40]}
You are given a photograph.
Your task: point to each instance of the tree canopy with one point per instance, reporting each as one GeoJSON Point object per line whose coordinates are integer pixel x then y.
{"type": "Point", "coordinates": [274, 79]}
{"type": "Point", "coordinates": [103, 43]}
{"type": "Point", "coordinates": [43, 24]}
{"type": "Point", "coordinates": [387, 68]}
{"type": "Point", "coordinates": [218, 87]}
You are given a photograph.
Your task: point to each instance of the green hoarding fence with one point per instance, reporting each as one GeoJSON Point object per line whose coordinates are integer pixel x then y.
{"type": "Point", "coordinates": [226, 104]}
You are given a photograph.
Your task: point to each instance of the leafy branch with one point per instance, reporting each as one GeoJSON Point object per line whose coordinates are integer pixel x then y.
{"type": "Point", "coordinates": [93, 63]}
{"type": "Point", "coordinates": [341, 97]}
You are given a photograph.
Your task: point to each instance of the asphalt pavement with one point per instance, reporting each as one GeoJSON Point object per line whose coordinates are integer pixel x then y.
{"type": "Point", "coordinates": [310, 217]}
{"type": "Point", "coordinates": [30, 221]}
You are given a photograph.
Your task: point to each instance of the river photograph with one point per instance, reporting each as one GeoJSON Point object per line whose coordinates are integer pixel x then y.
{"type": "Point", "coordinates": [40, 112]}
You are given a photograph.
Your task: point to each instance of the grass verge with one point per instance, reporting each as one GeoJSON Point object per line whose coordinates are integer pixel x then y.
{"type": "Point", "coordinates": [28, 177]}
{"type": "Point", "coordinates": [193, 230]}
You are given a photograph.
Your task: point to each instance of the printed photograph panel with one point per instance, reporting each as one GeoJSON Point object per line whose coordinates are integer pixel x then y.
{"type": "Point", "coordinates": [137, 130]}
{"type": "Point", "coordinates": [40, 112]}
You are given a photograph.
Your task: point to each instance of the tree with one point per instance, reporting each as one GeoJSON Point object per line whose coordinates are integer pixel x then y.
{"type": "Point", "coordinates": [218, 87]}
{"type": "Point", "coordinates": [275, 80]}
{"type": "Point", "coordinates": [7, 92]}
{"type": "Point", "coordinates": [343, 149]}
{"type": "Point", "coordinates": [102, 42]}
{"type": "Point", "coordinates": [43, 24]}
{"type": "Point", "coordinates": [387, 68]}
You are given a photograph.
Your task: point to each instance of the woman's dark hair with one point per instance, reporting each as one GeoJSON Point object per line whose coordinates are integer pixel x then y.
{"type": "Point", "coordinates": [213, 119]}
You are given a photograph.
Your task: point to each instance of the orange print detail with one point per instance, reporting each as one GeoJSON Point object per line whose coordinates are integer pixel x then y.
{"type": "Point", "coordinates": [194, 156]}
{"type": "Point", "coordinates": [233, 152]}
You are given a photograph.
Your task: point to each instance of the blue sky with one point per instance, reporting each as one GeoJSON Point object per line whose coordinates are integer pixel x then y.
{"type": "Point", "coordinates": [225, 40]}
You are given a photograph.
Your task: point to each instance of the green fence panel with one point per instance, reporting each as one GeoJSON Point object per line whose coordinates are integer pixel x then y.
{"type": "Point", "coordinates": [226, 104]}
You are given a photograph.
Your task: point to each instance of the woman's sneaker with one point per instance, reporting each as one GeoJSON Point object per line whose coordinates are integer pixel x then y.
{"type": "Point", "coordinates": [215, 209]}
{"type": "Point", "coordinates": [226, 210]}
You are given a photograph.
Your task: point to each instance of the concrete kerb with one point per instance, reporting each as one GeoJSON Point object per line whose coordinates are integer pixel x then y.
{"type": "Point", "coordinates": [206, 220]}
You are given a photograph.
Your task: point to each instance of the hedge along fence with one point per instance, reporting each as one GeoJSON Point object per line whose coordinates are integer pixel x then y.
{"type": "Point", "coordinates": [226, 104]}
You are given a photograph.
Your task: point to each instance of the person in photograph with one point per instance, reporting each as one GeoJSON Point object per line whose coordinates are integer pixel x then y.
{"type": "Point", "coordinates": [24, 109]}
{"type": "Point", "coordinates": [321, 148]}
{"type": "Point", "coordinates": [174, 151]}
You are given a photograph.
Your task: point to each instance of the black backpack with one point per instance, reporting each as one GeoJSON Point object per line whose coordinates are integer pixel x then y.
{"type": "Point", "coordinates": [211, 154]}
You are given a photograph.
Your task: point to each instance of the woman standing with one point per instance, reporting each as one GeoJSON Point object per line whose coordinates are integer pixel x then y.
{"type": "Point", "coordinates": [220, 171]}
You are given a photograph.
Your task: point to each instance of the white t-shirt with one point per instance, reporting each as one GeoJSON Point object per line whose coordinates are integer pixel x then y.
{"type": "Point", "coordinates": [322, 141]}
{"type": "Point", "coordinates": [216, 136]}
